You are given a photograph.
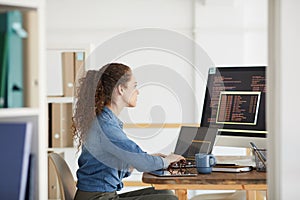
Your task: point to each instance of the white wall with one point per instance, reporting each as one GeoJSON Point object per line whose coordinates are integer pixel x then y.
{"type": "Point", "coordinates": [290, 43]}
{"type": "Point", "coordinates": [84, 24]}
{"type": "Point", "coordinates": [77, 22]}
{"type": "Point", "coordinates": [232, 32]}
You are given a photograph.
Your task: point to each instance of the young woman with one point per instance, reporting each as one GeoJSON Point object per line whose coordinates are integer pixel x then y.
{"type": "Point", "coordinates": [108, 155]}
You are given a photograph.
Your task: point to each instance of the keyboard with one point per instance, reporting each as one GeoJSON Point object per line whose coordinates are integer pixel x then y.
{"type": "Point", "coordinates": [183, 164]}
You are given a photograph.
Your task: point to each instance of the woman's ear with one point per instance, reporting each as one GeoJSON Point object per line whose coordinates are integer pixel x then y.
{"type": "Point", "coordinates": [120, 89]}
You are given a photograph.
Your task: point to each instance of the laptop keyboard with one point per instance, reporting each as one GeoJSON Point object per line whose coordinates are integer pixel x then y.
{"type": "Point", "coordinates": [183, 164]}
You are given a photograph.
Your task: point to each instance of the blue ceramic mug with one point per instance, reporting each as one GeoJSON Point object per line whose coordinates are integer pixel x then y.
{"type": "Point", "coordinates": [205, 162]}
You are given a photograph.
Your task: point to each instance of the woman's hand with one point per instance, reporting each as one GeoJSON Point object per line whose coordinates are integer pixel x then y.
{"type": "Point", "coordinates": [171, 158]}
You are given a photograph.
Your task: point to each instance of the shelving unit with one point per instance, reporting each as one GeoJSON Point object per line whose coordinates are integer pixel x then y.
{"type": "Point", "coordinates": [35, 110]}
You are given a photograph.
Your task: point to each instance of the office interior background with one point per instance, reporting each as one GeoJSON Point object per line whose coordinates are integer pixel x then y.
{"type": "Point", "coordinates": [231, 32]}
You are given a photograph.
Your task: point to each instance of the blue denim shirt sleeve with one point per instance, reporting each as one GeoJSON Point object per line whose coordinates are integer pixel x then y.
{"type": "Point", "coordinates": [107, 155]}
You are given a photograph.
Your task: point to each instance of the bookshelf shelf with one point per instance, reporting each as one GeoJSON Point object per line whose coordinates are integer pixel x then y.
{"type": "Point", "coordinates": [18, 112]}
{"type": "Point", "coordinates": [56, 149]}
{"type": "Point", "coordinates": [19, 4]}
{"type": "Point", "coordinates": [60, 99]}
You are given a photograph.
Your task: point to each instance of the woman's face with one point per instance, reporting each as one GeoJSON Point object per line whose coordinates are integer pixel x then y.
{"type": "Point", "coordinates": [131, 92]}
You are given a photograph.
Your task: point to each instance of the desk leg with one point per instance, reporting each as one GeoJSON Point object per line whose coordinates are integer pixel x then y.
{"type": "Point", "coordinates": [261, 195]}
{"type": "Point", "coordinates": [256, 195]}
{"type": "Point", "coordinates": [181, 194]}
{"type": "Point", "coordinates": [251, 195]}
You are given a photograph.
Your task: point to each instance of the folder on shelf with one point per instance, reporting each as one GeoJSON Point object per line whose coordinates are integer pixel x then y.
{"type": "Point", "coordinates": [60, 125]}
{"type": "Point", "coordinates": [79, 64]}
{"type": "Point", "coordinates": [15, 144]}
{"type": "Point", "coordinates": [12, 61]}
{"type": "Point", "coordinates": [72, 65]}
{"type": "Point", "coordinates": [68, 73]}
{"type": "Point", "coordinates": [66, 124]}
{"type": "Point", "coordinates": [31, 60]}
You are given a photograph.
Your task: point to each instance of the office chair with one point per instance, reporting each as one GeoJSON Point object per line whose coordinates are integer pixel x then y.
{"type": "Point", "coordinates": [66, 181]}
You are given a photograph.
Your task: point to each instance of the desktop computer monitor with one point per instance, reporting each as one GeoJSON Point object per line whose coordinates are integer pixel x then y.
{"type": "Point", "coordinates": [235, 103]}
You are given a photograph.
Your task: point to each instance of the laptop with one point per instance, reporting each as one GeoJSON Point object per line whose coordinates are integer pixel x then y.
{"type": "Point", "coordinates": [191, 140]}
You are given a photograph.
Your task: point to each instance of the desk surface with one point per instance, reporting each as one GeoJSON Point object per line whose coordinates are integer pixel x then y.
{"type": "Point", "coordinates": [215, 178]}
{"type": "Point", "coordinates": [249, 181]}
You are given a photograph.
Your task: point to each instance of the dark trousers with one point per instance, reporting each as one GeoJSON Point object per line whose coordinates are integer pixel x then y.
{"type": "Point", "coordinates": [143, 194]}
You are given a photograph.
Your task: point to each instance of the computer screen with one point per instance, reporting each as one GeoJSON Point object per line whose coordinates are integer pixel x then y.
{"type": "Point", "coordinates": [235, 103]}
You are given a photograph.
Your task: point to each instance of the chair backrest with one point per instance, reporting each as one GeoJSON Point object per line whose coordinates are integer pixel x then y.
{"type": "Point", "coordinates": [65, 178]}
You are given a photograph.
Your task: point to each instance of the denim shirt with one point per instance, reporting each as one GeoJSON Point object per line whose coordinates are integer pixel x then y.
{"type": "Point", "coordinates": [107, 154]}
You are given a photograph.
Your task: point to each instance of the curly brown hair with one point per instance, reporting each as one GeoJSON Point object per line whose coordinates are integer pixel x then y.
{"type": "Point", "coordinates": [93, 93]}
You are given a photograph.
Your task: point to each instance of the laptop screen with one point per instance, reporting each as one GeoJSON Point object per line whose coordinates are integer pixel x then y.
{"type": "Point", "coordinates": [193, 140]}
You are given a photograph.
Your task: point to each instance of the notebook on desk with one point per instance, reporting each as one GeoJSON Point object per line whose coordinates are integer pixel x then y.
{"type": "Point", "coordinates": [234, 164]}
{"type": "Point", "coordinates": [231, 168]}
{"type": "Point", "coordinates": [236, 160]}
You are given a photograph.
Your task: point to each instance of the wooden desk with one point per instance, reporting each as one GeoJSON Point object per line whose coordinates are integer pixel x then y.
{"type": "Point", "coordinates": [250, 181]}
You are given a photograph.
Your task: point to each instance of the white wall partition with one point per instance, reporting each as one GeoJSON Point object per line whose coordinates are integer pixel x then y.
{"type": "Point", "coordinates": [283, 101]}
